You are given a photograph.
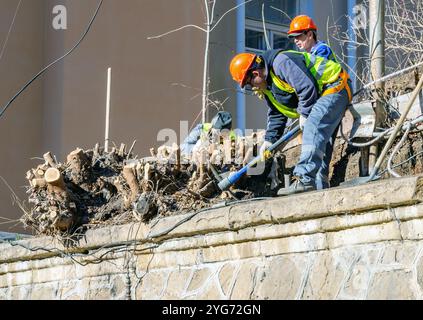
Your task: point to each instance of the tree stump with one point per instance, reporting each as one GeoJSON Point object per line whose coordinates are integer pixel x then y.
{"type": "Point", "coordinates": [55, 182]}
{"type": "Point", "coordinates": [38, 182]}
{"type": "Point", "coordinates": [77, 160]}
{"type": "Point", "coordinates": [128, 173]}
{"type": "Point", "coordinates": [49, 159]}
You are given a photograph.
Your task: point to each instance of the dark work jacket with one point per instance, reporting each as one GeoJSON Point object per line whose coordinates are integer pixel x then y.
{"type": "Point", "coordinates": [291, 68]}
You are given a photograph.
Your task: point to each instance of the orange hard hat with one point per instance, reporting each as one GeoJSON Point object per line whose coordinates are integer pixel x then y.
{"type": "Point", "coordinates": [240, 65]}
{"type": "Point", "coordinates": [300, 24]}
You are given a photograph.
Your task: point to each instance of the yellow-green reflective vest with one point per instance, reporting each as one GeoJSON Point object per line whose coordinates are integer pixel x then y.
{"type": "Point", "coordinates": [323, 70]}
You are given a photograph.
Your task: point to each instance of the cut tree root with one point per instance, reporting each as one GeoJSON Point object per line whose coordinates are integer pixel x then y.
{"type": "Point", "coordinates": [94, 187]}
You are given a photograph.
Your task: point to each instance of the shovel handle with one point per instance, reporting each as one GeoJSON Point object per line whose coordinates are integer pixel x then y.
{"type": "Point", "coordinates": [234, 177]}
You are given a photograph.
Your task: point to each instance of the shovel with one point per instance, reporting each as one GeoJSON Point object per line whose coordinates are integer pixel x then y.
{"type": "Point", "coordinates": [397, 128]}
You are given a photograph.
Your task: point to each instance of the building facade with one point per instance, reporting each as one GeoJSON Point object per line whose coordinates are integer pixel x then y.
{"type": "Point", "coordinates": [156, 83]}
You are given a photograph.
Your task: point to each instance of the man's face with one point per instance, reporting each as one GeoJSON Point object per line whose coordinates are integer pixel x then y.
{"type": "Point", "coordinates": [257, 79]}
{"type": "Point", "coordinates": [305, 41]}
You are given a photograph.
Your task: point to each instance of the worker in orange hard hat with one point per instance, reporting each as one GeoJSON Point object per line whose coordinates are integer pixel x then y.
{"type": "Point", "coordinates": [298, 85]}
{"type": "Point", "coordinates": [304, 32]}
{"type": "Point", "coordinates": [240, 67]}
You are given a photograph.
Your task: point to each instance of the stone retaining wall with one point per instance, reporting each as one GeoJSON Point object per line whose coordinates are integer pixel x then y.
{"type": "Point", "coordinates": [363, 242]}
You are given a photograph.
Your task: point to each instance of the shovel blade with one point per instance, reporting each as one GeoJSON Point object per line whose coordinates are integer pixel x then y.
{"type": "Point", "coordinates": [355, 182]}
{"type": "Point", "coordinates": [358, 181]}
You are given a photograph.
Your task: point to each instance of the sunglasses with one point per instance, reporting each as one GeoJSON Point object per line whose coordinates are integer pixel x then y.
{"type": "Point", "coordinates": [302, 33]}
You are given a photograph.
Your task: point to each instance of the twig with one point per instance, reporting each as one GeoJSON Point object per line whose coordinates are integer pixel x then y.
{"type": "Point", "coordinates": [264, 28]}
{"type": "Point", "coordinates": [175, 30]}
{"type": "Point", "coordinates": [283, 12]}
{"type": "Point", "coordinates": [223, 15]}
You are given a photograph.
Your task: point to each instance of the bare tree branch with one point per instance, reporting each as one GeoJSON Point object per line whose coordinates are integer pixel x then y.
{"type": "Point", "coordinates": [223, 15]}
{"type": "Point", "coordinates": [264, 28]}
{"type": "Point", "coordinates": [175, 30]}
{"type": "Point", "coordinates": [403, 38]}
{"type": "Point", "coordinates": [283, 12]}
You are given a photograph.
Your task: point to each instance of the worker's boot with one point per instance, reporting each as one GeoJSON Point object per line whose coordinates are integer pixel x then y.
{"type": "Point", "coordinates": [296, 187]}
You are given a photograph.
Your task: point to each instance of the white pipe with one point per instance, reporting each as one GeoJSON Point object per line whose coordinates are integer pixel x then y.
{"type": "Point", "coordinates": [240, 47]}
{"type": "Point", "coordinates": [389, 76]}
{"type": "Point", "coordinates": [206, 63]}
{"type": "Point", "coordinates": [106, 136]}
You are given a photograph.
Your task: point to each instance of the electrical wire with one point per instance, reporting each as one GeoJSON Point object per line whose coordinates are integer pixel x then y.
{"type": "Point", "coordinates": [383, 134]}
{"type": "Point", "coordinates": [124, 245]}
{"type": "Point", "coordinates": [401, 163]}
{"type": "Point", "coordinates": [54, 62]}
{"type": "Point", "coordinates": [222, 204]}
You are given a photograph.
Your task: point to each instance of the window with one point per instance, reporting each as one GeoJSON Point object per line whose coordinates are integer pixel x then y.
{"type": "Point", "coordinates": [277, 24]}
{"type": "Point", "coordinates": [253, 10]}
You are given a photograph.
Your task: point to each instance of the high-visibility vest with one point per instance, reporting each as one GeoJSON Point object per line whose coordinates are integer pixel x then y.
{"type": "Point", "coordinates": [281, 85]}
{"type": "Point", "coordinates": [323, 71]}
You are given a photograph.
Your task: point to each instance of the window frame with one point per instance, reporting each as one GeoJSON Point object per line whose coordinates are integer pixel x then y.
{"type": "Point", "coordinates": [271, 30]}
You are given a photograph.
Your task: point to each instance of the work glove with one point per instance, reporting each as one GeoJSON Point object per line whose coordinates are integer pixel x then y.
{"type": "Point", "coordinates": [258, 92]}
{"type": "Point", "coordinates": [263, 148]}
{"type": "Point", "coordinates": [302, 122]}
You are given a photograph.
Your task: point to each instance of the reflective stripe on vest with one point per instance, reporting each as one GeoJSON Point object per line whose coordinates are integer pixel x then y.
{"type": "Point", "coordinates": [280, 84]}
{"type": "Point", "coordinates": [290, 113]}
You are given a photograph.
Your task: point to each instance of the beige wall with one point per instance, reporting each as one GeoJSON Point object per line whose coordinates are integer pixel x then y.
{"type": "Point", "coordinates": [357, 243]}
{"type": "Point", "coordinates": [21, 126]}
{"type": "Point", "coordinates": [65, 108]}
{"type": "Point", "coordinates": [222, 49]}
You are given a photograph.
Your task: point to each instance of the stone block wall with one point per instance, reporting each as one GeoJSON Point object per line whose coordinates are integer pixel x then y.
{"type": "Point", "coordinates": [364, 242]}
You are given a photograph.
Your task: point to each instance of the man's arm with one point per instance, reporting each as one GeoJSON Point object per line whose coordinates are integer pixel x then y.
{"type": "Point", "coordinates": [295, 73]}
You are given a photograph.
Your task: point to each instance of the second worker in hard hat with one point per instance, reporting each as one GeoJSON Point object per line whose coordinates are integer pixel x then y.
{"type": "Point", "coordinates": [304, 32]}
{"type": "Point", "coordinates": [298, 85]}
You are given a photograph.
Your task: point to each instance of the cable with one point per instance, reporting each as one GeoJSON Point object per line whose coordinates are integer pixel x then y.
{"type": "Point", "coordinates": [123, 246]}
{"type": "Point", "coordinates": [401, 163]}
{"type": "Point", "coordinates": [54, 62]}
{"type": "Point", "coordinates": [222, 204]}
{"type": "Point", "coordinates": [387, 132]}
